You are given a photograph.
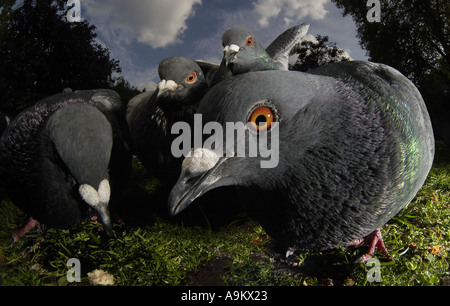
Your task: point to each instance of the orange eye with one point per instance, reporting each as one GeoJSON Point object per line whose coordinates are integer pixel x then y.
{"type": "Point", "coordinates": [262, 118]}
{"type": "Point", "coordinates": [249, 41]}
{"type": "Point", "coordinates": [191, 78]}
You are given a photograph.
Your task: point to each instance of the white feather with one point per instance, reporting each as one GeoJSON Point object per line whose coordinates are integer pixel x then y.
{"type": "Point", "coordinates": [104, 191]}
{"type": "Point", "coordinates": [89, 195]}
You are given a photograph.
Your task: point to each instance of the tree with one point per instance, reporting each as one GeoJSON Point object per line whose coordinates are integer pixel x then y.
{"type": "Point", "coordinates": [313, 54]}
{"type": "Point", "coordinates": [412, 36]}
{"type": "Point", "coordinates": [124, 89]}
{"type": "Point", "coordinates": [41, 54]}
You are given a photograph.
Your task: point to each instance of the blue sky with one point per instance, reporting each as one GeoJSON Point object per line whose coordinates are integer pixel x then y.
{"type": "Point", "coordinates": [141, 33]}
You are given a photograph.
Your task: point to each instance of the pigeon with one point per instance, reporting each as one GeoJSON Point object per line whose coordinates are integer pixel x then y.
{"type": "Point", "coordinates": [110, 104]}
{"type": "Point", "coordinates": [151, 115]}
{"type": "Point", "coordinates": [244, 53]}
{"type": "Point", "coordinates": [58, 159]}
{"type": "Point", "coordinates": [347, 152]}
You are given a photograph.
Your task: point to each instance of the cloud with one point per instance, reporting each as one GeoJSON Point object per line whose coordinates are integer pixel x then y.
{"type": "Point", "coordinates": [146, 78]}
{"type": "Point", "coordinates": [291, 10]}
{"type": "Point", "coordinates": [127, 28]}
{"type": "Point", "coordinates": [157, 23]}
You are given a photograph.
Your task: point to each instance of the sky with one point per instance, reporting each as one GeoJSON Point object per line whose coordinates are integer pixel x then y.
{"type": "Point", "coordinates": [141, 33]}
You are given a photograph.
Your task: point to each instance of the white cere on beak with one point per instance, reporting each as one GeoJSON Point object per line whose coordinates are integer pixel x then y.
{"type": "Point", "coordinates": [104, 191]}
{"type": "Point", "coordinates": [93, 197]}
{"type": "Point", "coordinates": [167, 85]}
{"type": "Point", "coordinates": [200, 160]}
{"type": "Point", "coordinates": [230, 52]}
{"type": "Point", "coordinates": [99, 200]}
{"type": "Point", "coordinates": [231, 48]}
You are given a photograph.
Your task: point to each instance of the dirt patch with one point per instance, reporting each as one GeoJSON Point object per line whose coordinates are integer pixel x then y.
{"type": "Point", "coordinates": [211, 273]}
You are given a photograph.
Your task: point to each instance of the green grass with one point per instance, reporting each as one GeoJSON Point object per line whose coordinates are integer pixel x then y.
{"type": "Point", "coordinates": [168, 252]}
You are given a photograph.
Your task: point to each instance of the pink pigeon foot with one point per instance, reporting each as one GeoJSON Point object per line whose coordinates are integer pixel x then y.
{"type": "Point", "coordinates": [375, 241]}
{"type": "Point", "coordinates": [31, 223]}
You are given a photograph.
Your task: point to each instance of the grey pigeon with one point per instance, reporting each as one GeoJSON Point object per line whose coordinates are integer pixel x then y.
{"type": "Point", "coordinates": [353, 151]}
{"type": "Point", "coordinates": [57, 158]}
{"type": "Point", "coordinates": [244, 53]}
{"type": "Point", "coordinates": [151, 115]}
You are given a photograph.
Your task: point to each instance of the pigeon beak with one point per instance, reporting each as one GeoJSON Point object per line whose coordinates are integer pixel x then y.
{"type": "Point", "coordinates": [230, 53]}
{"type": "Point", "coordinates": [198, 175]}
{"type": "Point", "coordinates": [99, 200]}
{"type": "Point", "coordinates": [103, 211]}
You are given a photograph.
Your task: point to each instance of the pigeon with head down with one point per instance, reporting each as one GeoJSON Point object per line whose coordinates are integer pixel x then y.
{"type": "Point", "coordinates": [65, 155]}
{"type": "Point", "coordinates": [354, 149]}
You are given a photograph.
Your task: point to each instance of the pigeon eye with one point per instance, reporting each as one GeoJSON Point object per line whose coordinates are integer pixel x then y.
{"type": "Point", "coordinates": [191, 78]}
{"type": "Point", "coordinates": [262, 118]}
{"type": "Point", "coordinates": [249, 41]}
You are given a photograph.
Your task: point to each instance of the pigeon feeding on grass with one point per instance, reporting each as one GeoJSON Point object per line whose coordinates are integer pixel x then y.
{"type": "Point", "coordinates": [58, 159]}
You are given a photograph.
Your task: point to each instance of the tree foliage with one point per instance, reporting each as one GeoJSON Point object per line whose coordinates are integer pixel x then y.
{"type": "Point", "coordinates": [124, 89]}
{"type": "Point", "coordinates": [41, 53]}
{"type": "Point", "coordinates": [312, 54]}
{"type": "Point", "coordinates": [412, 36]}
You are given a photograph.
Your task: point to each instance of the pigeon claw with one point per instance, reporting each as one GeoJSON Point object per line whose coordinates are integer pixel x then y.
{"type": "Point", "coordinates": [290, 251]}
{"type": "Point", "coordinates": [374, 241]}
{"type": "Point", "coordinates": [31, 223]}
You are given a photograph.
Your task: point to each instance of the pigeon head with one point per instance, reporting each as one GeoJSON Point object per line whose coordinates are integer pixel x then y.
{"type": "Point", "coordinates": [180, 77]}
{"type": "Point", "coordinates": [261, 112]}
{"type": "Point", "coordinates": [243, 52]}
{"type": "Point", "coordinates": [81, 143]}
